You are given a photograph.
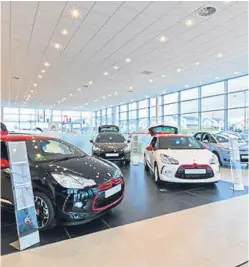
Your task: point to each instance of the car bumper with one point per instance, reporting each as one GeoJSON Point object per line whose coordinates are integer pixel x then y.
{"type": "Point", "coordinates": [122, 156]}
{"type": "Point", "coordinates": [226, 159]}
{"type": "Point", "coordinates": [168, 172]}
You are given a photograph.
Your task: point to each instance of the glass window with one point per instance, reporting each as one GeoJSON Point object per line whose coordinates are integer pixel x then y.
{"type": "Point", "coordinates": [71, 113]}
{"type": "Point", "coordinates": [153, 101]}
{"type": "Point", "coordinates": [133, 114]}
{"type": "Point", "coordinates": [189, 94]}
{"type": "Point", "coordinates": [143, 104]}
{"type": "Point", "coordinates": [27, 117]}
{"type": "Point", "coordinates": [170, 98]}
{"type": "Point", "coordinates": [238, 99]}
{"type": "Point", "coordinates": [132, 106]}
{"type": "Point", "coordinates": [238, 84]}
{"type": "Point", "coordinates": [56, 119]}
{"type": "Point", "coordinates": [213, 103]}
{"type": "Point", "coordinates": [103, 112]}
{"type": "Point", "coordinates": [10, 110]}
{"type": "Point", "coordinates": [160, 100]}
{"type": "Point", "coordinates": [57, 113]}
{"type": "Point", "coordinates": [142, 113]}
{"type": "Point", "coordinates": [171, 109]}
{"type": "Point", "coordinates": [123, 116]}
{"type": "Point", "coordinates": [213, 121]}
{"type": "Point", "coordinates": [153, 112]}
{"type": "Point", "coordinates": [27, 111]}
{"type": "Point", "coordinates": [238, 119]}
{"type": "Point", "coordinates": [171, 120]}
{"type": "Point", "coordinates": [123, 108]}
{"type": "Point", "coordinates": [123, 126]}
{"type": "Point", "coordinates": [212, 89]}
{"type": "Point", "coordinates": [143, 124]}
{"type": "Point", "coordinates": [109, 111]}
{"type": "Point", "coordinates": [189, 106]}
{"type": "Point", "coordinates": [8, 117]}
{"type": "Point", "coordinates": [98, 113]}
{"type": "Point", "coordinates": [189, 122]}
{"type": "Point", "coordinates": [132, 125]}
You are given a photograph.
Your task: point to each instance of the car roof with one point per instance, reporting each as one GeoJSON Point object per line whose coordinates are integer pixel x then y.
{"type": "Point", "coordinates": [22, 137]}
{"type": "Point", "coordinates": [168, 135]}
{"type": "Point", "coordinates": [108, 133]}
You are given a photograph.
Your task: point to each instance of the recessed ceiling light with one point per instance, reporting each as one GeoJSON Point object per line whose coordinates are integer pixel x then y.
{"type": "Point", "coordinates": [86, 104]}
{"type": "Point", "coordinates": [59, 102]}
{"type": "Point", "coordinates": [31, 91]}
{"type": "Point", "coordinates": [146, 96]}
{"type": "Point", "coordinates": [106, 73]}
{"type": "Point", "coordinates": [75, 13]}
{"type": "Point", "coordinates": [79, 89]}
{"type": "Point", "coordinates": [64, 32]}
{"type": "Point", "coordinates": [131, 87]}
{"type": "Point", "coordinates": [35, 84]}
{"type": "Point", "coordinates": [178, 70]}
{"type": "Point", "coordinates": [71, 94]}
{"type": "Point", "coordinates": [64, 99]}
{"type": "Point", "coordinates": [46, 64]}
{"type": "Point", "coordinates": [43, 71]}
{"type": "Point", "coordinates": [150, 80]}
{"type": "Point", "coordinates": [109, 95]}
{"type": "Point", "coordinates": [216, 78]}
{"type": "Point", "coordinates": [186, 85]}
{"type": "Point", "coordinates": [103, 97]}
{"type": "Point", "coordinates": [201, 82]}
{"type": "Point", "coordinates": [163, 39]}
{"type": "Point", "coordinates": [115, 93]}
{"type": "Point", "coordinates": [128, 60]}
{"type": "Point", "coordinates": [57, 46]}
{"type": "Point", "coordinates": [163, 92]}
{"type": "Point", "coordinates": [197, 63]}
{"type": "Point", "coordinates": [121, 103]}
{"type": "Point", "coordinates": [236, 73]}
{"type": "Point", "coordinates": [115, 67]}
{"type": "Point", "coordinates": [39, 76]}
{"type": "Point", "coordinates": [163, 76]}
{"type": "Point", "coordinates": [219, 55]}
{"type": "Point", "coordinates": [189, 22]}
{"type": "Point", "coordinates": [90, 82]}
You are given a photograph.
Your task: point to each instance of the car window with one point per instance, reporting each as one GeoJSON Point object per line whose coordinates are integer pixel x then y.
{"type": "Point", "coordinates": [209, 138]}
{"type": "Point", "coordinates": [222, 139]}
{"type": "Point", "coordinates": [46, 149]}
{"type": "Point", "coordinates": [110, 138]}
{"type": "Point", "coordinates": [153, 141]}
{"type": "Point", "coordinates": [179, 142]}
{"type": "Point", "coordinates": [4, 153]}
{"type": "Point", "coordinates": [198, 136]}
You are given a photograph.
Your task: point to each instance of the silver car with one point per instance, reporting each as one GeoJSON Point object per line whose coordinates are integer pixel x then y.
{"type": "Point", "coordinates": [219, 145]}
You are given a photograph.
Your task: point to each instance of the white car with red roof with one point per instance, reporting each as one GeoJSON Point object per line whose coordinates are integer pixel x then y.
{"type": "Point", "coordinates": [178, 158]}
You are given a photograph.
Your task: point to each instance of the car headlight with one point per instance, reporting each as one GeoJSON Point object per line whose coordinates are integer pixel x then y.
{"type": "Point", "coordinates": [97, 149]}
{"type": "Point", "coordinates": [126, 149]}
{"type": "Point", "coordinates": [73, 181]}
{"type": "Point", "coordinates": [168, 160]}
{"type": "Point", "coordinates": [213, 160]}
{"type": "Point", "coordinates": [226, 150]}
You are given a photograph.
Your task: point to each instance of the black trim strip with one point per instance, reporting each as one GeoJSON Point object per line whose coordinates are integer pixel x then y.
{"type": "Point", "coordinates": [241, 264]}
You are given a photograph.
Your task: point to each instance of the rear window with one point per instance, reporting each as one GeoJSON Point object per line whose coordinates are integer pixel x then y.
{"type": "Point", "coordinates": [110, 138]}
{"type": "Point", "coordinates": [179, 142]}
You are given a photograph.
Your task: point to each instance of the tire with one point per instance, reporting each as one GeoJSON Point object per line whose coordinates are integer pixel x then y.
{"type": "Point", "coordinates": [156, 175]}
{"type": "Point", "coordinates": [146, 167]}
{"type": "Point", "coordinates": [46, 215]}
{"type": "Point", "coordinates": [127, 162]}
{"type": "Point", "coordinates": [216, 154]}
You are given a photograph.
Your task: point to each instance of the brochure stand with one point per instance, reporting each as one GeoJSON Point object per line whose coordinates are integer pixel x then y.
{"type": "Point", "coordinates": [135, 150]}
{"type": "Point", "coordinates": [236, 172]}
{"type": "Point", "coordinates": [25, 213]}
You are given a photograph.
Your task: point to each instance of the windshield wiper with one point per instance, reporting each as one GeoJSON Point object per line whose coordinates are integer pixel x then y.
{"type": "Point", "coordinates": [68, 157]}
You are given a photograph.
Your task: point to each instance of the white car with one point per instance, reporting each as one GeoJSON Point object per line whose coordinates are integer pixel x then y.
{"type": "Point", "coordinates": [180, 159]}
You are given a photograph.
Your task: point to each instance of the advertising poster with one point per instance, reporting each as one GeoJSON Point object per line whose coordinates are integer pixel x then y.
{"type": "Point", "coordinates": [27, 227]}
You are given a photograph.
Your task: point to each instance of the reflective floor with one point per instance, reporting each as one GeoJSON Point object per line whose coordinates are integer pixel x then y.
{"type": "Point", "coordinates": [143, 200]}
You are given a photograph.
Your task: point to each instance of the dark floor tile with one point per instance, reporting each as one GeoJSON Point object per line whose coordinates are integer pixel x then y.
{"type": "Point", "coordinates": [7, 217]}
{"type": "Point", "coordinates": [88, 228]}
{"type": "Point", "coordinates": [8, 235]}
{"type": "Point", "coordinates": [53, 235]}
{"type": "Point", "coordinates": [191, 199]}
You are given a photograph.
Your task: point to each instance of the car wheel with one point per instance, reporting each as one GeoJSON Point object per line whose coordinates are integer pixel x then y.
{"type": "Point", "coordinates": [146, 167]}
{"type": "Point", "coordinates": [45, 211]}
{"type": "Point", "coordinates": [218, 157]}
{"type": "Point", "coordinates": [156, 175]}
{"type": "Point", "coordinates": [127, 162]}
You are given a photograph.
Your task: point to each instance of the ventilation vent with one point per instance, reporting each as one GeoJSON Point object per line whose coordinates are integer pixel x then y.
{"type": "Point", "coordinates": [85, 86]}
{"type": "Point", "coordinates": [206, 11]}
{"type": "Point", "coordinates": [146, 72]}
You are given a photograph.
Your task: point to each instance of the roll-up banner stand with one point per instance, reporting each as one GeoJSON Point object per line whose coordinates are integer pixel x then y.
{"type": "Point", "coordinates": [25, 213]}
{"type": "Point", "coordinates": [236, 170]}
{"type": "Point", "coordinates": [135, 150]}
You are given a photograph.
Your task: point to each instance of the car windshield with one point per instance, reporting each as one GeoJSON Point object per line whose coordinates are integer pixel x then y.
{"type": "Point", "coordinates": [224, 138]}
{"type": "Point", "coordinates": [51, 150]}
{"type": "Point", "coordinates": [110, 138]}
{"type": "Point", "coordinates": [181, 142]}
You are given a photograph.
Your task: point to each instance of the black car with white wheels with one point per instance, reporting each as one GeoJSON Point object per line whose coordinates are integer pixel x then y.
{"type": "Point", "coordinates": [70, 187]}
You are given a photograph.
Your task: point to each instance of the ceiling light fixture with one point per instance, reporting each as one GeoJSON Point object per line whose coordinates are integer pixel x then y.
{"type": "Point", "coordinates": [197, 63]}
{"type": "Point", "coordinates": [87, 104]}
{"type": "Point", "coordinates": [189, 22]}
{"type": "Point", "coordinates": [186, 85]}
{"type": "Point", "coordinates": [43, 71]}
{"type": "Point", "coordinates": [71, 94]}
{"type": "Point", "coordinates": [39, 76]}
{"type": "Point", "coordinates": [75, 13]}
{"type": "Point", "coordinates": [216, 78]}
{"type": "Point", "coordinates": [128, 60]}
{"type": "Point", "coordinates": [64, 32]}
{"type": "Point", "coordinates": [219, 55]}
{"type": "Point", "coordinates": [57, 46]}
{"type": "Point", "coordinates": [146, 96]}
{"type": "Point", "coordinates": [163, 76]}
{"type": "Point", "coordinates": [79, 89]}
{"type": "Point", "coordinates": [236, 73]}
{"type": "Point", "coordinates": [31, 91]}
{"type": "Point", "coordinates": [178, 70]}
{"type": "Point", "coordinates": [35, 84]}
{"type": "Point", "coordinates": [106, 73]}
{"type": "Point", "coordinates": [109, 95]}
{"type": "Point", "coordinates": [131, 87]}
{"type": "Point", "coordinates": [150, 80]}
{"type": "Point", "coordinates": [90, 82]}
{"type": "Point", "coordinates": [115, 93]}
{"type": "Point", "coordinates": [115, 67]}
{"type": "Point", "coordinates": [103, 97]}
{"type": "Point", "coordinates": [163, 39]}
{"type": "Point", "coordinates": [46, 64]}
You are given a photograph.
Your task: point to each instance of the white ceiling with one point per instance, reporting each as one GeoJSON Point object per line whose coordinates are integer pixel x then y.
{"type": "Point", "coordinates": [104, 36]}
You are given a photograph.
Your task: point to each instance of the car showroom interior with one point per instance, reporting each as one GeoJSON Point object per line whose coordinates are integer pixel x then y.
{"type": "Point", "coordinates": [124, 133]}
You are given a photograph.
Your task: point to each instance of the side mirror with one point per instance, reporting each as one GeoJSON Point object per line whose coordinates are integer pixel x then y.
{"type": "Point", "coordinates": [149, 148]}
{"type": "Point", "coordinates": [4, 164]}
{"type": "Point", "coordinates": [205, 141]}
{"type": "Point", "coordinates": [91, 141]}
{"type": "Point", "coordinates": [128, 141]}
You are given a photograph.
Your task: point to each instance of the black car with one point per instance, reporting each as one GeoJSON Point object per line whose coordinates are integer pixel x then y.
{"type": "Point", "coordinates": [111, 146]}
{"type": "Point", "coordinates": [69, 186]}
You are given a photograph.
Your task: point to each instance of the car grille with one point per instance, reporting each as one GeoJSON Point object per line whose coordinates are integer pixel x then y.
{"type": "Point", "coordinates": [182, 175]}
{"type": "Point", "coordinates": [100, 202]}
{"type": "Point", "coordinates": [120, 155]}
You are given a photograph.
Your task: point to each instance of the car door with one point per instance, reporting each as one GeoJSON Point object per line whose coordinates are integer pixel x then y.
{"type": "Point", "coordinates": [6, 188]}
{"type": "Point", "coordinates": [209, 141]}
{"type": "Point", "coordinates": [151, 153]}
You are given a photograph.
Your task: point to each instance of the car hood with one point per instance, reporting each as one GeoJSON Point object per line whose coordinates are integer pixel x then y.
{"type": "Point", "coordinates": [112, 146]}
{"type": "Point", "coordinates": [188, 156]}
{"type": "Point", "coordinates": [87, 167]}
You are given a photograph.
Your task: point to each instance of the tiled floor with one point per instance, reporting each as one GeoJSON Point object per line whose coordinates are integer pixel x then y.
{"type": "Point", "coordinates": [212, 235]}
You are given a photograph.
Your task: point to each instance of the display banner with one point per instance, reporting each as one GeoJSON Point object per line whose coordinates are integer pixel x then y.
{"type": "Point", "coordinates": [26, 221]}
{"type": "Point", "coordinates": [236, 170]}
{"type": "Point", "coordinates": [135, 151]}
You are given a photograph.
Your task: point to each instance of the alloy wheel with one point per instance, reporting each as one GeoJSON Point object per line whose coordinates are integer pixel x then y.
{"type": "Point", "coordinates": [41, 212]}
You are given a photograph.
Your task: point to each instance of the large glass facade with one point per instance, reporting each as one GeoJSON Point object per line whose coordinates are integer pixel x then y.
{"type": "Point", "coordinates": [213, 107]}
